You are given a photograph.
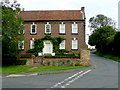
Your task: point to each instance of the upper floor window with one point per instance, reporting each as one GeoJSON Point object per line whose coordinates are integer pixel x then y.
{"type": "Point", "coordinates": [33, 29]}
{"type": "Point", "coordinates": [47, 28]}
{"type": "Point", "coordinates": [62, 28]}
{"type": "Point", "coordinates": [74, 28]}
{"type": "Point", "coordinates": [62, 45]}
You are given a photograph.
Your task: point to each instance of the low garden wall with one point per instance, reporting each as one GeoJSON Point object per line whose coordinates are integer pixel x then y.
{"type": "Point", "coordinates": [84, 60]}
{"type": "Point", "coordinates": [61, 62]}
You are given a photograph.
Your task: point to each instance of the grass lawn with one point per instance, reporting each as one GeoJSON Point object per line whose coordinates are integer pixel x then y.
{"type": "Point", "coordinates": [109, 56]}
{"type": "Point", "coordinates": [20, 69]}
{"type": "Point", "coordinates": [13, 69]}
{"type": "Point", "coordinates": [53, 68]}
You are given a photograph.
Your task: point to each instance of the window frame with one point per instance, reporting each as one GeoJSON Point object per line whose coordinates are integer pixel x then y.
{"type": "Point", "coordinates": [46, 29]}
{"type": "Point", "coordinates": [21, 42]}
{"type": "Point", "coordinates": [62, 29]}
{"type": "Point", "coordinates": [62, 45]}
{"type": "Point", "coordinates": [32, 29]}
{"type": "Point", "coordinates": [74, 28]}
{"type": "Point", "coordinates": [75, 47]}
{"type": "Point", "coordinates": [31, 44]}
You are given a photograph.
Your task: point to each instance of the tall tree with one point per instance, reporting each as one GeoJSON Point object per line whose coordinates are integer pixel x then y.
{"type": "Point", "coordinates": [100, 21]}
{"type": "Point", "coordinates": [12, 24]}
{"type": "Point", "coordinates": [103, 39]}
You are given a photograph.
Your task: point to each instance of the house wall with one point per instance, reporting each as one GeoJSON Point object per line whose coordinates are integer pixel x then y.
{"type": "Point", "coordinates": [55, 32]}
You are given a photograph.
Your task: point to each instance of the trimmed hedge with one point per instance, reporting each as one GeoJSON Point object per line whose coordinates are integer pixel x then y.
{"type": "Point", "coordinates": [64, 56]}
{"type": "Point", "coordinates": [14, 62]}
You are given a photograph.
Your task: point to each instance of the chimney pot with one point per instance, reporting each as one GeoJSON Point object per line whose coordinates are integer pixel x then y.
{"type": "Point", "coordinates": [83, 8]}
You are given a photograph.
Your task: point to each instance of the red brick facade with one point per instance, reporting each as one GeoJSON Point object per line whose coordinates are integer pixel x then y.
{"type": "Point", "coordinates": [55, 26]}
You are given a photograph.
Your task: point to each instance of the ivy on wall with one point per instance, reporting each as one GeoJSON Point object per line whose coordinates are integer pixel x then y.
{"type": "Point", "coordinates": [39, 45]}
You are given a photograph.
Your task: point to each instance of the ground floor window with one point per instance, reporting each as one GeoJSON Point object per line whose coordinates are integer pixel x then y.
{"type": "Point", "coordinates": [74, 44]}
{"type": "Point", "coordinates": [62, 45]}
{"type": "Point", "coordinates": [21, 44]}
{"type": "Point", "coordinates": [31, 44]}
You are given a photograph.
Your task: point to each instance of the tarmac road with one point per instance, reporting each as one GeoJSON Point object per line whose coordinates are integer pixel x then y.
{"type": "Point", "coordinates": [105, 75]}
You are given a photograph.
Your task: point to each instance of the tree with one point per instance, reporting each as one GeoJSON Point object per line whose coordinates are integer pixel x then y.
{"type": "Point", "coordinates": [12, 24]}
{"type": "Point", "coordinates": [100, 21]}
{"type": "Point", "coordinates": [103, 38]}
{"type": "Point", "coordinates": [117, 44]}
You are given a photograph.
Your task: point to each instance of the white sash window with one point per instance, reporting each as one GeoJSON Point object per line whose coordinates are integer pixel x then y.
{"type": "Point", "coordinates": [31, 44]}
{"type": "Point", "coordinates": [33, 29]}
{"type": "Point", "coordinates": [47, 28]}
{"type": "Point", "coordinates": [74, 28]}
{"type": "Point", "coordinates": [62, 28]}
{"type": "Point", "coordinates": [21, 44]}
{"type": "Point", "coordinates": [62, 45]}
{"type": "Point", "coordinates": [74, 44]}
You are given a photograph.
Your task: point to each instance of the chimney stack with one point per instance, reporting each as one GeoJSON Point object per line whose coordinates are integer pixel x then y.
{"type": "Point", "coordinates": [83, 9]}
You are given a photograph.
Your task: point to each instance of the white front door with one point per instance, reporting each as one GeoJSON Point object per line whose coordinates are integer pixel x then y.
{"type": "Point", "coordinates": [48, 47]}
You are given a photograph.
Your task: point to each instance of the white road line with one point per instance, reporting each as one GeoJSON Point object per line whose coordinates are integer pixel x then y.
{"type": "Point", "coordinates": [76, 78]}
{"type": "Point", "coordinates": [71, 79]}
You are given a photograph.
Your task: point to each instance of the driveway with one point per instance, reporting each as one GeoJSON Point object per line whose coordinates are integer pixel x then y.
{"type": "Point", "coordinates": [105, 75]}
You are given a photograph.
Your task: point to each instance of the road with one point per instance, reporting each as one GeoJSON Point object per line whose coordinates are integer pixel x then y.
{"type": "Point", "coordinates": [105, 75]}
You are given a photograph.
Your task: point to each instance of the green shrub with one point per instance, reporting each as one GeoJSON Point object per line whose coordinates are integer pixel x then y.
{"type": "Point", "coordinates": [14, 62]}
{"type": "Point", "coordinates": [30, 51]}
{"type": "Point", "coordinates": [64, 56]}
{"type": "Point", "coordinates": [62, 51]}
{"type": "Point", "coordinates": [77, 64]}
{"type": "Point", "coordinates": [25, 56]}
{"type": "Point", "coordinates": [48, 63]}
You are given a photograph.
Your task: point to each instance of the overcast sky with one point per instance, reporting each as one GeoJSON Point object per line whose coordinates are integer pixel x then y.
{"type": "Point", "coordinates": [108, 8]}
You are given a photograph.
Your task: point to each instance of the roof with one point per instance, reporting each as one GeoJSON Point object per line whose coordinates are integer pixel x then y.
{"type": "Point", "coordinates": [52, 15]}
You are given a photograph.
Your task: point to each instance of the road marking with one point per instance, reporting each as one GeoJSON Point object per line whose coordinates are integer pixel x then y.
{"type": "Point", "coordinates": [70, 80]}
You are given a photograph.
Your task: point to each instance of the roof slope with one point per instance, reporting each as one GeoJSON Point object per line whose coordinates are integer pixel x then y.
{"type": "Point", "coordinates": [52, 15]}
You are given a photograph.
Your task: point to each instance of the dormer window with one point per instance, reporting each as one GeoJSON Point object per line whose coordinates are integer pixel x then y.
{"type": "Point", "coordinates": [74, 28]}
{"type": "Point", "coordinates": [33, 29]}
{"type": "Point", "coordinates": [47, 28]}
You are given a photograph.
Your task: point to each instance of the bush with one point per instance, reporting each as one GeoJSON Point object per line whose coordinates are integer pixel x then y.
{"type": "Point", "coordinates": [26, 56]}
{"type": "Point", "coordinates": [62, 51]}
{"type": "Point", "coordinates": [14, 62]}
{"type": "Point", "coordinates": [30, 51]}
{"type": "Point", "coordinates": [64, 56]}
{"type": "Point", "coordinates": [77, 64]}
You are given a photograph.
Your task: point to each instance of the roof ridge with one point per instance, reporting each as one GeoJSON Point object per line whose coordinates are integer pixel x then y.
{"type": "Point", "coordinates": [47, 10]}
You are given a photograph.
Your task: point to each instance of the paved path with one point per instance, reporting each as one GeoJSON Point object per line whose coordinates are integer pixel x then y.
{"type": "Point", "coordinates": [104, 76]}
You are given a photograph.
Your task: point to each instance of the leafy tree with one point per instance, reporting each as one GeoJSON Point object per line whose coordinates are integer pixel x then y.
{"type": "Point", "coordinates": [117, 44]}
{"type": "Point", "coordinates": [103, 38]}
{"type": "Point", "coordinates": [100, 21]}
{"type": "Point", "coordinates": [11, 25]}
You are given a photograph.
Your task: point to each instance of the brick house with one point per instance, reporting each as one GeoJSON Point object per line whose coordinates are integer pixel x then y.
{"type": "Point", "coordinates": [69, 24]}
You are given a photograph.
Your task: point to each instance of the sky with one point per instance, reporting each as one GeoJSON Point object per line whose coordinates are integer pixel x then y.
{"type": "Point", "coordinates": [108, 8]}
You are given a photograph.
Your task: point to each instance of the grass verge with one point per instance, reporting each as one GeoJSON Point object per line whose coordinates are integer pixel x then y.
{"type": "Point", "coordinates": [109, 56]}
{"type": "Point", "coordinates": [13, 69]}
{"type": "Point", "coordinates": [54, 68]}
{"type": "Point", "coordinates": [21, 69]}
